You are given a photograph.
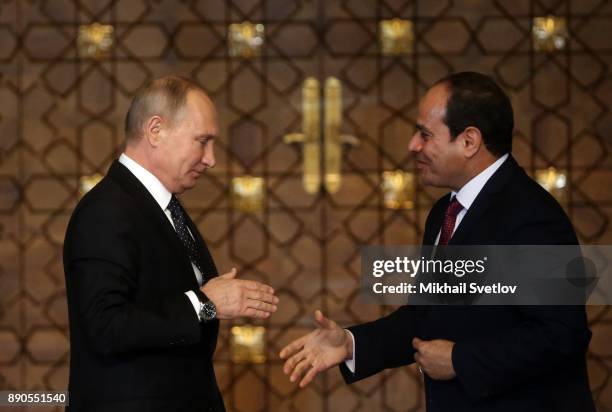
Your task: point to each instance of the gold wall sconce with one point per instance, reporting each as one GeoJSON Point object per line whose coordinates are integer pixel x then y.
{"type": "Point", "coordinates": [95, 41]}
{"type": "Point", "coordinates": [248, 344]}
{"type": "Point", "coordinates": [245, 39]}
{"type": "Point", "coordinates": [398, 189]}
{"type": "Point", "coordinates": [311, 135]}
{"type": "Point", "coordinates": [396, 37]}
{"type": "Point", "coordinates": [549, 33]}
{"type": "Point", "coordinates": [248, 193]}
{"type": "Point", "coordinates": [86, 183]}
{"type": "Point", "coordinates": [553, 180]}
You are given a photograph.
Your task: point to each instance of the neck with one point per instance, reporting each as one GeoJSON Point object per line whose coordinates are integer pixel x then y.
{"type": "Point", "coordinates": [139, 157]}
{"type": "Point", "coordinates": [475, 167]}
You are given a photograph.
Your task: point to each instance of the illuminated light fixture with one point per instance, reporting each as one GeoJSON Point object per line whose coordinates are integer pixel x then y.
{"type": "Point", "coordinates": [86, 183]}
{"type": "Point", "coordinates": [398, 189]}
{"type": "Point", "coordinates": [248, 193]}
{"type": "Point", "coordinates": [95, 41]}
{"type": "Point", "coordinates": [396, 37]}
{"type": "Point", "coordinates": [549, 33]}
{"type": "Point", "coordinates": [247, 344]}
{"type": "Point", "coordinates": [245, 39]}
{"type": "Point", "coordinates": [553, 180]}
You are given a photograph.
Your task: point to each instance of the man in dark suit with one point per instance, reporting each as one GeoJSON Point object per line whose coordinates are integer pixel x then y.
{"type": "Point", "coordinates": [495, 358]}
{"type": "Point", "coordinates": [144, 298]}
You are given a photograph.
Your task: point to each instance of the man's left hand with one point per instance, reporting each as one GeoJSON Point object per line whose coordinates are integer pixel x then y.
{"type": "Point", "coordinates": [434, 357]}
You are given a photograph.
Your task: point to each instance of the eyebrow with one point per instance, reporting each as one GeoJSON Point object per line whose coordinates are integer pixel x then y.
{"type": "Point", "coordinates": [422, 129]}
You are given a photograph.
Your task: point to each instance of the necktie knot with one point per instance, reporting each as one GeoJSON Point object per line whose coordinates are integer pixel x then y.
{"type": "Point", "coordinates": [174, 206]}
{"type": "Point", "coordinates": [454, 207]}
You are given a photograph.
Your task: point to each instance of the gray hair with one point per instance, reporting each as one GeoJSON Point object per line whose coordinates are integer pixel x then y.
{"type": "Point", "coordinates": [165, 97]}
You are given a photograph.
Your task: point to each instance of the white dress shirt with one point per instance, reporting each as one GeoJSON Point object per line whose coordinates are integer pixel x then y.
{"type": "Point", "coordinates": [162, 196]}
{"type": "Point", "coordinates": [466, 196]}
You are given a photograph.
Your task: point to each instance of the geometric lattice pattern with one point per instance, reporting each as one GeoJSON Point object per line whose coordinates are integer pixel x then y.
{"type": "Point", "coordinates": [61, 118]}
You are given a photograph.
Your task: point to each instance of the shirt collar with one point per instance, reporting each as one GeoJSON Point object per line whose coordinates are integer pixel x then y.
{"type": "Point", "coordinates": [467, 194]}
{"type": "Point", "coordinates": [159, 192]}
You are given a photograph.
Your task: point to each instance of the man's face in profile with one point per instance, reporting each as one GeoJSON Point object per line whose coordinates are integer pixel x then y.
{"type": "Point", "coordinates": [188, 146]}
{"type": "Point", "coordinates": [439, 159]}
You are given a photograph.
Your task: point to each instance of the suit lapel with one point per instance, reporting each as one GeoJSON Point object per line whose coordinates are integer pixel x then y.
{"type": "Point", "coordinates": [150, 207]}
{"type": "Point", "coordinates": [434, 222]}
{"type": "Point", "coordinates": [484, 200]}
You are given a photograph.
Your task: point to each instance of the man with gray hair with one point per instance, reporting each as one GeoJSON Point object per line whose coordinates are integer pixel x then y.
{"type": "Point", "coordinates": [144, 295]}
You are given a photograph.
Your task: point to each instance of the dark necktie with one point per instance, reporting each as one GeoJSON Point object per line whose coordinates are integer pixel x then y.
{"type": "Point", "coordinates": [180, 224]}
{"type": "Point", "coordinates": [450, 217]}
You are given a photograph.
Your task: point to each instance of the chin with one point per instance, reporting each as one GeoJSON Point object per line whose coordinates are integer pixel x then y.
{"type": "Point", "coordinates": [428, 181]}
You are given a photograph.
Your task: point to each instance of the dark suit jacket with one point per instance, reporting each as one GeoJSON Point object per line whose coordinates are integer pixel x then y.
{"type": "Point", "coordinates": [519, 358]}
{"type": "Point", "coordinates": [136, 342]}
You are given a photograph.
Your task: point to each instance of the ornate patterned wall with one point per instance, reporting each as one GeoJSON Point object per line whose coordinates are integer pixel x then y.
{"type": "Point", "coordinates": [61, 118]}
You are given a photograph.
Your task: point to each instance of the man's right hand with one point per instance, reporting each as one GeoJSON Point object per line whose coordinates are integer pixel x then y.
{"type": "Point", "coordinates": [236, 298]}
{"type": "Point", "coordinates": [324, 347]}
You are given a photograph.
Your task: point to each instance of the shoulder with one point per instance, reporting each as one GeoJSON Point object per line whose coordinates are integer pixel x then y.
{"type": "Point", "coordinates": [537, 217]}
{"type": "Point", "coordinates": [107, 199]}
{"type": "Point", "coordinates": [102, 225]}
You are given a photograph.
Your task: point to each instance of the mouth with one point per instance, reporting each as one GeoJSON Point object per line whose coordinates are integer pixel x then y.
{"type": "Point", "coordinates": [421, 164]}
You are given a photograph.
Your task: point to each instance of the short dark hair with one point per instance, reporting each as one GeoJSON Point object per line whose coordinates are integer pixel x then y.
{"type": "Point", "coordinates": [164, 97]}
{"type": "Point", "coordinates": [476, 100]}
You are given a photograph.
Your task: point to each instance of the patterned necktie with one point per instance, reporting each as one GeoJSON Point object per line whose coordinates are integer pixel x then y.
{"type": "Point", "coordinates": [450, 217]}
{"type": "Point", "coordinates": [180, 224]}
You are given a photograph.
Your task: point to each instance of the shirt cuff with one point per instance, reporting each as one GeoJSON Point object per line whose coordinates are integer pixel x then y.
{"type": "Point", "coordinates": [194, 301]}
{"type": "Point", "coordinates": [350, 363]}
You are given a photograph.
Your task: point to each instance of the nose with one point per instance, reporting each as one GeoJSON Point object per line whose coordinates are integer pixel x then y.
{"type": "Point", "coordinates": [415, 143]}
{"type": "Point", "coordinates": [208, 159]}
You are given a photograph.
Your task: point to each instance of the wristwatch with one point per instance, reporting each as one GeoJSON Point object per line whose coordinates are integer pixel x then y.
{"type": "Point", "coordinates": [208, 311]}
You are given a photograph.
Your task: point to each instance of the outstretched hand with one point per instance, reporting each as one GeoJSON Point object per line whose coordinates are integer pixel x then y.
{"type": "Point", "coordinates": [326, 346]}
{"type": "Point", "coordinates": [235, 298]}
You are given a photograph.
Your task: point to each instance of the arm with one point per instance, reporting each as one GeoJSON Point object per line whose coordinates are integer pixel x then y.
{"type": "Point", "coordinates": [100, 293]}
{"type": "Point", "coordinates": [384, 343]}
{"type": "Point", "coordinates": [101, 257]}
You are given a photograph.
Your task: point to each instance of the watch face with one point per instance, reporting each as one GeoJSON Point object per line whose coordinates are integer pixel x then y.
{"type": "Point", "coordinates": [209, 311]}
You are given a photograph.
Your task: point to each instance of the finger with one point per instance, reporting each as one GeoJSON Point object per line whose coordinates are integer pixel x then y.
{"type": "Point", "coordinates": [323, 321]}
{"type": "Point", "coordinates": [254, 285]}
{"type": "Point", "coordinates": [293, 361]}
{"type": "Point", "coordinates": [259, 305]}
{"type": "Point", "coordinates": [230, 275]}
{"type": "Point", "coordinates": [299, 369]}
{"type": "Point", "coordinates": [256, 313]}
{"type": "Point", "coordinates": [310, 375]}
{"type": "Point", "coordinates": [292, 348]}
{"type": "Point", "coordinates": [263, 296]}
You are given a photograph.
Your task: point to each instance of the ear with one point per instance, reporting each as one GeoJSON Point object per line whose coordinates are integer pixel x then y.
{"type": "Point", "coordinates": [153, 130]}
{"type": "Point", "coordinates": [472, 141]}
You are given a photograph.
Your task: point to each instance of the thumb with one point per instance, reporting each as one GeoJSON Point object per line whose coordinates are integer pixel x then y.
{"type": "Point", "coordinates": [416, 343]}
{"type": "Point", "coordinates": [230, 275]}
{"type": "Point", "coordinates": [323, 321]}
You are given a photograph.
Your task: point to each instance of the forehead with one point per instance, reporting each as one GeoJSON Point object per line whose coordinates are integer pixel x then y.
{"type": "Point", "coordinates": [200, 110]}
{"type": "Point", "coordinates": [433, 105]}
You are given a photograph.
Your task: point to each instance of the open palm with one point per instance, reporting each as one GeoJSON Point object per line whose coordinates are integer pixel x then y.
{"type": "Point", "coordinates": [317, 351]}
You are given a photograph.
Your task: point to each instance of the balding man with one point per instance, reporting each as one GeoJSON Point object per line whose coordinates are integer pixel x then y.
{"type": "Point", "coordinates": [144, 297]}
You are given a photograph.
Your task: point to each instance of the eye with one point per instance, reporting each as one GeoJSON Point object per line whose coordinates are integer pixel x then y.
{"type": "Point", "coordinates": [204, 141]}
